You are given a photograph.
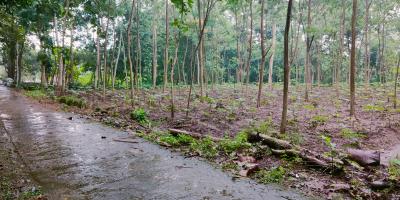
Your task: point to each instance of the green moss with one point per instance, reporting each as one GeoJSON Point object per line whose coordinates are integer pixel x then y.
{"type": "Point", "coordinates": [370, 107]}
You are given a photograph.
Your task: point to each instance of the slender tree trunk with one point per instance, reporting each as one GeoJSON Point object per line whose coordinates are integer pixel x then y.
{"type": "Point", "coordinates": [166, 46]}
{"type": "Point", "coordinates": [200, 50]}
{"type": "Point", "coordinates": [129, 50]}
{"type": "Point", "coordinates": [17, 64]}
{"type": "Point", "coordinates": [263, 54]}
{"type": "Point", "coordinates": [154, 32]}
{"type": "Point", "coordinates": [172, 77]}
{"type": "Point", "coordinates": [366, 42]}
{"type": "Point", "coordinates": [307, 71]}
{"type": "Point", "coordinates": [116, 61]}
{"type": "Point", "coordinates": [250, 44]}
{"type": "Point", "coordinates": [286, 70]}
{"type": "Point", "coordinates": [341, 43]}
{"type": "Point", "coordinates": [318, 66]}
{"type": "Point", "coordinates": [96, 74]}
{"type": "Point", "coordinates": [271, 58]}
{"type": "Point", "coordinates": [396, 78]}
{"type": "Point", "coordinates": [352, 59]}
{"type": "Point", "coordinates": [138, 68]}
{"type": "Point", "coordinates": [105, 60]}
{"type": "Point", "coordinates": [184, 60]}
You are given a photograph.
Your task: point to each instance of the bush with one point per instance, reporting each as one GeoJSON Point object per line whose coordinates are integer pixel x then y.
{"type": "Point", "coordinates": [36, 94]}
{"type": "Point", "coordinates": [139, 115]}
{"type": "Point", "coordinates": [205, 147]}
{"type": "Point", "coordinates": [274, 175]}
{"type": "Point", "coordinates": [238, 143]}
{"type": "Point", "coordinates": [72, 101]}
{"type": "Point", "coordinates": [394, 169]}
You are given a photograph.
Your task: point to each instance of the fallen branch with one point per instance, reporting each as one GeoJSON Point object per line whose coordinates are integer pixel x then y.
{"type": "Point", "coordinates": [124, 140]}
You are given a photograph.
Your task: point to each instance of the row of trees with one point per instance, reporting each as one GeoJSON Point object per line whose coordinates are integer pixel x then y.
{"type": "Point", "coordinates": [125, 43]}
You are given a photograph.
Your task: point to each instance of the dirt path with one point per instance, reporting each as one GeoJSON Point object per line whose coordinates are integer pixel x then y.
{"type": "Point", "coordinates": [78, 159]}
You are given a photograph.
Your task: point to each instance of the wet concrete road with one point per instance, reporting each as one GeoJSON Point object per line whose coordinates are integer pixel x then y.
{"type": "Point", "coordinates": [70, 160]}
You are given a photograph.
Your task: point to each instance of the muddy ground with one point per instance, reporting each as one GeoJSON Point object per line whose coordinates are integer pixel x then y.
{"type": "Point", "coordinates": [228, 109]}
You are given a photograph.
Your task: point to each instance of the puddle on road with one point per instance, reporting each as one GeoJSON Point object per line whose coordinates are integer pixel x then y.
{"type": "Point", "coordinates": [70, 160]}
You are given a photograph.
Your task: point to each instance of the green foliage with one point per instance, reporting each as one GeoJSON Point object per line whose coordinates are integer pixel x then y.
{"type": "Point", "coordinates": [264, 127]}
{"type": "Point", "coordinates": [36, 94]}
{"type": "Point", "coordinates": [238, 143]}
{"type": "Point", "coordinates": [169, 139]}
{"type": "Point", "coordinates": [72, 101]}
{"type": "Point", "coordinates": [31, 194]}
{"type": "Point", "coordinates": [205, 147]}
{"type": "Point", "coordinates": [140, 115]}
{"type": "Point", "coordinates": [274, 175]}
{"type": "Point", "coordinates": [318, 120]}
{"type": "Point", "coordinates": [309, 107]}
{"type": "Point", "coordinates": [350, 134]}
{"type": "Point", "coordinates": [370, 107]}
{"type": "Point", "coordinates": [394, 169]}
{"type": "Point", "coordinates": [230, 166]}
{"type": "Point", "coordinates": [185, 139]}
{"type": "Point", "coordinates": [294, 138]}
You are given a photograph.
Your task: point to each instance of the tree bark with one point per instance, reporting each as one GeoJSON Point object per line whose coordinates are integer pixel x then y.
{"type": "Point", "coordinates": [366, 47]}
{"type": "Point", "coordinates": [395, 83]}
{"type": "Point", "coordinates": [166, 46]}
{"type": "Point", "coordinates": [353, 59]}
{"type": "Point", "coordinates": [250, 44]}
{"type": "Point", "coordinates": [96, 74]}
{"type": "Point", "coordinates": [116, 61]}
{"type": "Point", "coordinates": [307, 71]}
{"type": "Point", "coordinates": [263, 54]}
{"type": "Point", "coordinates": [129, 51]}
{"type": "Point", "coordinates": [105, 60]}
{"type": "Point", "coordinates": [286, 70]}
{"type": "Point", "coordinates": [154, 32]}
{"type": "Point", "coordinates": [271, 58]}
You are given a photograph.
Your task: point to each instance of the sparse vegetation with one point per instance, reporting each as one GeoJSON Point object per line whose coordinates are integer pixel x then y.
{"type": "Point", "coordinates": [274, 175]}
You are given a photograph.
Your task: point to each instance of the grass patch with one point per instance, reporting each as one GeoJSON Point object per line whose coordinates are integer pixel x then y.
{"type": "Point", "coordinates": [370, 107]}
{"type": "Point", "coordinates": [72, 101]}
{"type": "Point", "coordinates": [205, 147]}
{"type": "Point", "coordinates": [36, 94]}
{"type": "Point", "coordinates": [350, 134]}
{"type": "Point", "coordinates": [394, 169]}
{"type": "Point", "coordinates": [274, 175]}
{"type": "Point", "coordinates": [318, 120]}
{"type": "Point", "coordinates": [238, 143]}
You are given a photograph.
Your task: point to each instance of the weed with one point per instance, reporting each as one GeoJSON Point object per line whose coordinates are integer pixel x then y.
{"type": "Point", "coordinates": [205, 147]}
{"type": "Point", "coordinates": [394, 169]}
{"type": "Point", "coordinates": [309, 107]}
{"type": "Point", "coordinates": [238, 143]}
{"type": "Point", "coordinates": [264, 127]}
{"type": "Point", "coordinates": [72, 101]}
{"type": "Point", "coordinates": [140, 115]}
{"type": "Point", "coordinates": [370, 107]}
{"type": "Point", "coordinates": [230, 166]}
{"type": "Point", "coordinates": [350, 134]}
{"type": "Point", "coordinates": [36, 94]}
{"type": "Point", "coordinates": [274, 175]}
{"type": "Point", "coordinates": [185, 139]}
{"type": "Point", "coordinates": [318, 120]}
{"type": "Point", "coordinates": [294, 138]}
{"type": "Point", "coordinates": [169, 139]}
{"type": "Point", "coordinates": [31, 194]}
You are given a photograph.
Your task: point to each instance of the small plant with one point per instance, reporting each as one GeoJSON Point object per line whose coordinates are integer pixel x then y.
{"type": "Point", "coordinates": [318, 120]}
{"type": "Point", "coordinates": [238, 143]}
{"type": "Point", "coordinates": [350, 134]}
{"type": "Point", "coordinates": [370, 107]}
{"type": "Point", "coordinates": [31, 194]}
{"type": "Point", "coordinates": [294, 138]}
{"type": "Point", "coordinates": [72, 101]}
{"type": "Point", "coordinates": [274, 175]}
{"type": "Point", "coordinates": [394, 169]}
{"type": "Point", "coordinates": [264, 127]}
{"type": "Point", "coordinates": [140, 115]}
{"type": "Point", "coordinates": [205, 147]}
{"type": "Point", "coordinates": [169, 139]}
{"type": "Point", "coordinates": [185, 139]}
{"type": "Point", "coordinates": [309, 107]}
{"type": "Point", "coordinates": [36, 94]}
{"type": "Point", "coordinates": [230, 166]}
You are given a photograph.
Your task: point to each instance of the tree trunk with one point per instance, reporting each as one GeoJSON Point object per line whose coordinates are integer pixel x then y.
{"type": "Point", "coordinates": [318, 66]}
{"type": "Point", "coordinates": [395, 83]}
{"type": "Point", "coordinates": [250, 44]}
{"type": "Point", "coordinates": [271, 58]}
{"type": "Point", "coordinates": [105, 60]}
{"type": "Point", "coordinates": [116, 61]}
{"type": "Point", "coordinates": [263, 54]}
{"type": "Point", "coordinates": [129, 51]}
{"type": "Point", "coordinates": [96, 74]}
{"type": "Point", "coordinates": [353, 59]}
{"type": "Point", "coordinates": [166, 46]}
{"type": "Point", "coordinates": [366, 42]}
{"type": "Point", "coordinates": [200, 50]}
{"type": "Point", "coordinates": [307, 71]}
{"type": "Point", "coordinates": [154, 32]}
{"type": "Point", "coordinates": [286, 70]}
{"type": "Point", "coordinates": [172, 77]}
{"type": "Point", "coordinates": [138, 68]}
{"type": "Point", "coordinates": [341, 43]}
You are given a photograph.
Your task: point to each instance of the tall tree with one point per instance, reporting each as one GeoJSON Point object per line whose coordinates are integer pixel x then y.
{"type": "Point", "coordinates": [353, 59]}
{"type": "Point", "coordinates": [271, 58]}
{"type": "Point", "coordinates": [166, 46]}
{"type": "Point", "coordinates": [309, 40]}
{"type": "Point", "coordinates": [154, 43]}
{"type": "Point", "coordinates": [250, 44]}
{"type": "Point", "coordinates": [129, 50]}
{"type": "Point", "coordinates": [286, 72]}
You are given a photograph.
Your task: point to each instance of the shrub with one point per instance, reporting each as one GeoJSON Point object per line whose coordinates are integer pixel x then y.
{"type": "Point", "coordinates": [394, 169]}
{"type": "Point", "coordinates": [169, 139]}
{"type": "Point", "coordinates": [36, 94]}
{"type": "Point", "coordinates": [139, 115]}
{"type": "Point", "coordinates": [274, 175]}
{"type": "Point", "coordinates": [72, 101]}
{"type": "Point", "coordinates": [205, 147]}
{"type": "Point", "coordinates": [238, 143]}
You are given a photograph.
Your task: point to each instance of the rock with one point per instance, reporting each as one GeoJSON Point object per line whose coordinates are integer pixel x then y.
{"type": "Point", "coordinates": [379, 184]}
{"type": "Point", "coordinates": [70, 118]}
{"type": "Point", "coordinates": [103, 137]}
{"type": "Point", "coordinates": [248, 169]}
